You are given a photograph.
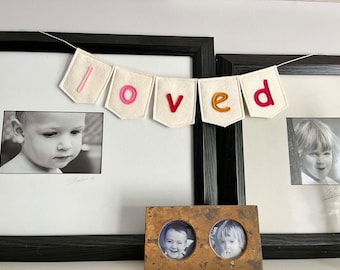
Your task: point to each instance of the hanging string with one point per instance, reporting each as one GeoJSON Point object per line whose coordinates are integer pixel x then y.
{"type": "Point", "coordinates": [279, 65]}
{"type": "Point", "coordinates": [295, 59]}
{"type": "Point", "coordinates": [284, 63]}
{"type": "Point", "coordinates": [60, 39]}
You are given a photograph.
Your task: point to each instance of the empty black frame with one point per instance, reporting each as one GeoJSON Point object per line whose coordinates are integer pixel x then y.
{"type": "Point", "coordinates": [231, 165]}
{"type": "Point", "coordinates": [116, 247]}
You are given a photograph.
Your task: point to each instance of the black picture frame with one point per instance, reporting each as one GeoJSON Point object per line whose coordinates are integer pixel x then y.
{"type": "Point", "coordinates": [230, 154]}
{"type": "Point", "coordinates": [116, 247]}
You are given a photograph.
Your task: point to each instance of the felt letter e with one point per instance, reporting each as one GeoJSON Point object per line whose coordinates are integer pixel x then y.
{"type": "Point", "coordinates": [264, 91]}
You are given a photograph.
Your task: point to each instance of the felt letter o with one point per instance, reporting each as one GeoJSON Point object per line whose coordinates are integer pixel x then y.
{"type": "Point", "coordinates": [133, 94]}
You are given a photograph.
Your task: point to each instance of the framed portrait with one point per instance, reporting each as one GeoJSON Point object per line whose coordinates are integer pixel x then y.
{"type": "Point", "coordinates": [95, 208]}
{"type": "Point", "coordinates": [298, 218]}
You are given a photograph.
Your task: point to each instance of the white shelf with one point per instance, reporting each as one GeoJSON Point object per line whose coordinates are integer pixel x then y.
{"type": "Point", "coordinates": [312, 264]}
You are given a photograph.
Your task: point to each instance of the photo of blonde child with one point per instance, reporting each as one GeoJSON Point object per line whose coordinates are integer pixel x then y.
{"type": "Point", "coordinates": [47, 141]}
{"type": "Point", "coordinates": [228, 239]}
{"type": "Point", "coordinates": [177, 240]}
{"type": "Point", "coordinates": [316, 150]}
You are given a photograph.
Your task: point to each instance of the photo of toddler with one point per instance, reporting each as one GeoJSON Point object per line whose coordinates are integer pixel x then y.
{"type": "Point", "coordinates": [45, 142]}
{"type": "Point", "coordinates": [177, 240]}
{"type": "Point", "coordinates": [228, 239]}
{"type": "Point", "coordinates": [314, 150]}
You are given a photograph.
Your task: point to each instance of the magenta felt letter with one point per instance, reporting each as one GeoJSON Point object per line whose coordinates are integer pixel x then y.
{"type": "Point", "coordinates": [264, 91]}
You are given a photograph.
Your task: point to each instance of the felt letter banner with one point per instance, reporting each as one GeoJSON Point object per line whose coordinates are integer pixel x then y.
{"type": "Point", "coordinates": [263, 92]}
{"type": "Point", "coordinates": [129, 93]}
{"type": "Point", "coordinates": [220, 100]}
{"type": "Point", "coordinates": [86, 77]}
{"type": "Point", "coordinates": [175, 101]}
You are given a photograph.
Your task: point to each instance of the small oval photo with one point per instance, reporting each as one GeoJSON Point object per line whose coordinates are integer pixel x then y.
{"type": "Point", "coordinates": [228, 239]}
{"type": "Point", "coordinates": [177, 240]}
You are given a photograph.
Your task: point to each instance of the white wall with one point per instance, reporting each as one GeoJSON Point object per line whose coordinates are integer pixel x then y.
{"type": "Point", "coordinates": [239, 26]}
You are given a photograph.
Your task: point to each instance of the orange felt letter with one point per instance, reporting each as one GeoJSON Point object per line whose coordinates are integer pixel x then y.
{"type": "Point", "coordinates": [218, 98]}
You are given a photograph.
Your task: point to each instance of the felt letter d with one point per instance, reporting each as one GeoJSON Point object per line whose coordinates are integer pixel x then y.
{"type": "Point", "coordinates": [264, 91]}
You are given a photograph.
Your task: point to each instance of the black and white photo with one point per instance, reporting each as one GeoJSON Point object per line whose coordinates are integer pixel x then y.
{"type": "Point", "coordinates": [314, 150]}
{"type": "Point", "coordinates": [177, 240]}
{"type": "Point", "coordinates": [51, 142]}
{"type": "Point", "coordinates": [228, 239]}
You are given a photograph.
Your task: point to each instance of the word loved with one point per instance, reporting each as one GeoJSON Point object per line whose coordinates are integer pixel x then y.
{"type": "Point", "coordinates": [129, 95]}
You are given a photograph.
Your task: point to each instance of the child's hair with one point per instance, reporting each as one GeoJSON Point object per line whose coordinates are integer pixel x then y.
{"type": "Point", "coordinates": [311, 134]}
{"type": "Point", "coordinates": [178, 226]}
{"type": "Point", "coordinates": [19, 115]}
{"type": "Point", "coordinates": [230, 227]}
{"type": "Point", "coordinates": [24, 116]}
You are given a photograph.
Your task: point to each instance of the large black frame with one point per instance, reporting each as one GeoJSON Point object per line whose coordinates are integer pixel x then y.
{"type": "Point", "coordinates": [117, 247]}
{"type": "Point", "coordinates": [231, 162]}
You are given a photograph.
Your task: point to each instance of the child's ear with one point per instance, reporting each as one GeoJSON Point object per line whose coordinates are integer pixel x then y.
{"type": "Point", "coordinates": [17, 130]}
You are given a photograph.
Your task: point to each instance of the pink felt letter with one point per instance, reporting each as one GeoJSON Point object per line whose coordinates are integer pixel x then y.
{"type": "Point", "coordinates": [86, 77]}
{"type": "Point", "coordinates": [173, 107]}
{"type": "Point", "coordinates": [133, 94]}
{"type": "Point", "coordinates": [265, 91]}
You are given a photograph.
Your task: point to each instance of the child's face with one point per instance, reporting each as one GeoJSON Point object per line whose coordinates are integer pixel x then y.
{"type": "Point", "coordinates": [52, 140]}
{"type": "Point", "coordinates": [175, 243]}
{"type": "Point", "coordinates": [230, 246]}
{"type": "Point", "coordinates": [317, 162]}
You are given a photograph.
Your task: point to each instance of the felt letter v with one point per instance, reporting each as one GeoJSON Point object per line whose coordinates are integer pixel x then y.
{"type": "Point", "coordinates": [173, 107]}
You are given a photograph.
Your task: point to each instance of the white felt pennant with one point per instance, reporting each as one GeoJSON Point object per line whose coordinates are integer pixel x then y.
{"type": "Point", "coordinates": [175, 101]}
{"type": "Point", "coordinates": [220, 100]}
{"type": "Point", "coordinates": [263, 92]}
{"type": "Point", "coordinates": [86, 77]}
{"type": "Point", "coordinates": [130, 93]}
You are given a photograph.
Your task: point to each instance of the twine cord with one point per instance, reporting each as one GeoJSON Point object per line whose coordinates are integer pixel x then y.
{"type": "Point", "coordinates": [295, 59]}
{"type": "Point", "coordinates": [60, 39]}
{"type": "Point", "coordinates": [279, 65]}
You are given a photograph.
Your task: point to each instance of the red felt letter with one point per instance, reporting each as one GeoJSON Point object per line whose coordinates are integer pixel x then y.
{"type": "Point", "coordinates": [266, 92]}
{"type": "Point", "coordinates": [173, 107]}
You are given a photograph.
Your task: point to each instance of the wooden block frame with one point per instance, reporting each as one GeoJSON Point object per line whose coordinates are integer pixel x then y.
{"type": "Point", "coordinates": [202, 219]}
